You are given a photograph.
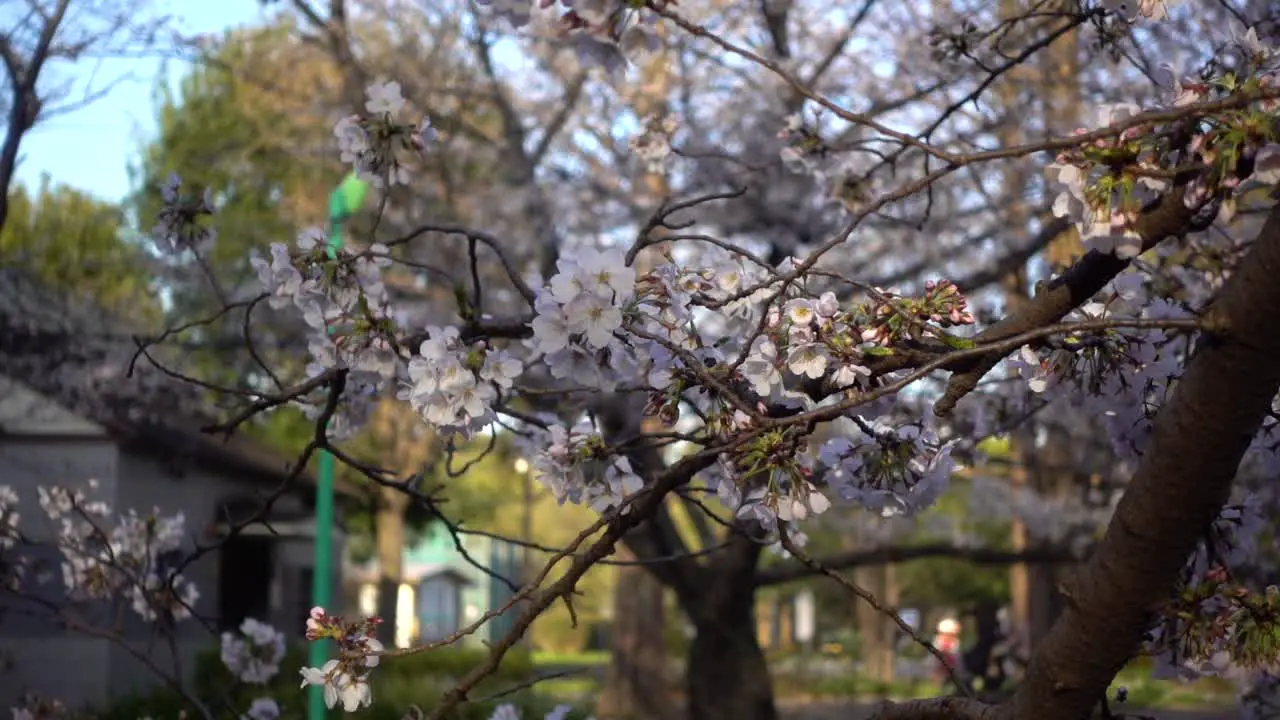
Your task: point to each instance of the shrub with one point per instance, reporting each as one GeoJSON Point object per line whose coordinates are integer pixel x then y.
{"type": "Point", "coordinates": [397, 684]}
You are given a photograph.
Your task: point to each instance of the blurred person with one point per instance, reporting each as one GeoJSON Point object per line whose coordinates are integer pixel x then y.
{"type": "Point", "coordinates": [947, 642]}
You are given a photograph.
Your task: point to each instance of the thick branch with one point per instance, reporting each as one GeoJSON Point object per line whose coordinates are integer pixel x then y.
{"type": "Point", "coordinates": [657, 536]}
{"type": "Point", "coordinates": [563, 587]}
{"type": "Point", "coordinates": [1179, 488]}
{"type": "Point", "coordinates": [1167, 217]}
{"type": "Point", "coordinates": [885, 555]}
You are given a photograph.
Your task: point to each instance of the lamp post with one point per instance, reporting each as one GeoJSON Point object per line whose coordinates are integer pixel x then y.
{"type": "Point", "coordinates": [344, 201]}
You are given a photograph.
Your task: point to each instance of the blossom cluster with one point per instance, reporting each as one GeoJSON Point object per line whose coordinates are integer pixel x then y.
{"type": "Point", "coordinates": [32, 706]}
{"type": "Point", "coordinates": [890, 470]}
{"type": "Point", "coordinates": [576, 467]}
{"type": "Point", "coordinates": [1132, 9]}
{"type": "Point", "coordinates": [604, 33]}
{"type": "Point", "coordinates": [453, 385]}
{"type": "Point", "coordinates": [375, 144]}
{"type": "Point", "coordinates": [1120, 375]}
{"type": "Point", "coordinates": [733, 343]}
{"type": "Point", "coordinates": [507, 711]}
{"type": "Point", "coordinates": [1107, 183]}
{"type": "Point", "coordinates": [253, 655]}
{"type": "Point", "coordinates": [846, 178]}
{"type": "Point", "coordinates": [130, 557]}
{"type": "Point", "coordinates": [1216, 623]}
{"type": "Point", "coordinates": [104, 557]}
{"type": "Point", "coordinates": [181, 222]}
{"type": "Point", "coordinates": [9, 517]}
{"type": "Point", "coordinates": [597, 324]}
{"type": "Point", "coordinates": [653, 145]}
{"type": "Point", "coordinates": [345, 678]}
{"type": "Point", "coordinates": [580, 309]}
{"type": "Point", "coordinates": [343, 300]}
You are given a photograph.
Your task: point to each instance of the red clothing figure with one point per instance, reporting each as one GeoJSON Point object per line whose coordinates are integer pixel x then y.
{"type": "Point", "coordinates": [947, 641]}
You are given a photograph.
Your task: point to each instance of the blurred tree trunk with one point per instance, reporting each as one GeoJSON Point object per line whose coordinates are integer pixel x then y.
{"type": "Point", "coordinates": [636, 684]}
{"type": "Point", "coordinates": [406, 446]}
{"type": "Point", "coordinates": [1033, 588]}
{"type": "Point", "coordinates": [876, 631]}
{"type": "Point", "coordinates": [388, 523]}
{"type": "Point", "coordinates": [727, 677]}
{"type": "Point", "coordinates": [1051, 472]}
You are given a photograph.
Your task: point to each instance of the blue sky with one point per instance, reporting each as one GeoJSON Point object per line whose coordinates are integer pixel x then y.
{"type": "Point", "coordinates": [91, 148]}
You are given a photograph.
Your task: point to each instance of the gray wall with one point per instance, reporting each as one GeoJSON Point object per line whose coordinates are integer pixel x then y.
{"type": "Point", "coordinates": [76, 667]}
{"type": "Point", "coordinates": [79, 669]}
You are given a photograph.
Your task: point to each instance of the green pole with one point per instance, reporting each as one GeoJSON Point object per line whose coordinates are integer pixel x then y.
{"type": "Point", "coordinates": [344, 201]}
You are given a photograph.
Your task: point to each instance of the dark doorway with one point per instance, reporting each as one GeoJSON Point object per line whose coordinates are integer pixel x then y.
{"type": "Point", "coordinates": [244, 574]}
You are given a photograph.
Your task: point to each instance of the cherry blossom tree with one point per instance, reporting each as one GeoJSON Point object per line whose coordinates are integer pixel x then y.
{"type": "Point", "coordinates": [785, 383]}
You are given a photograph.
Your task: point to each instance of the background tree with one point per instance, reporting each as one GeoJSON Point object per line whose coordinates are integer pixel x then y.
{"type": "Point", "coordinates": [76, 243]}
{"type": "Point", "coordinates": [40, 38]}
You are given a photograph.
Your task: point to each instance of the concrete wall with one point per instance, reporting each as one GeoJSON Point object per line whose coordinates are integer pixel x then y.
{"type": "Point", "coordinates": [71, 665]}
{"type": "Point", "coordinates": [199, 495]}
{"type": "Point", "coordinates": [35, 653]}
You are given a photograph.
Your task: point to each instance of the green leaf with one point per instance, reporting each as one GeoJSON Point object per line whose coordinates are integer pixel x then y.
{"type": "Point", "coordinates": [958, 343]}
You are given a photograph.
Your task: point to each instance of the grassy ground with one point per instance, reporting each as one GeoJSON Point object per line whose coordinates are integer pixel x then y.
{"type": "Point", "coordinates": [583, 672]}
{"type": "Point", "coordinates": [586, 657]}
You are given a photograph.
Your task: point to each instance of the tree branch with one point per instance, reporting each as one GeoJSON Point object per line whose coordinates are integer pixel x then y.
{"type": "Point", "coordinates": [886, 555]}
{"type": "Point", "coordinates": [1167, 217]}
{"type": "Point", "coordinates": [24, 104]}
{"type": "Point", "coordinates": [1180, 486]}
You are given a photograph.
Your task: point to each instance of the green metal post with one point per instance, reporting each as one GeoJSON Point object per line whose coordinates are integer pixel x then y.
{"type": "Point", "coordinates": [345, 200]}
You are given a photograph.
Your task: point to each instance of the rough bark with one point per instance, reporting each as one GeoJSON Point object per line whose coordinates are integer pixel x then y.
{"type": "Point", "coordinates": [636, 685]}
{"type": "Point", "coordinates": [1180, 486]}
{"type": "Point", "coordinates": [727, 676]}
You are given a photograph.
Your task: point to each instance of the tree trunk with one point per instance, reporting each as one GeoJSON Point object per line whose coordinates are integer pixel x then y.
{"type": "Point", "coordinates": [406, 447]}
{"type": "Point", "coordinates": [636, 685]}
{"type": "Point", "coordinates": [1060, 90]}
{"type": "Point", "coordinates": [389, 530]}
{"type": "Point", "coordinates": [727, 676]}
{"type": "Point", "coordinates": [875, 630]}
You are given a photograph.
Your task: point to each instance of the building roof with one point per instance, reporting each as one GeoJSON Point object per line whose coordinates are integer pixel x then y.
{"type": "Point", "coordinates": [83, 358]}
{"type": "Point", "coordinates": [412, 573]}
{"type": "Point", "coordinates": [442, 571]}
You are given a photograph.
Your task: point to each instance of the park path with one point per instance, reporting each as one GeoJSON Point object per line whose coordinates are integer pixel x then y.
{"type": "Point", "coordinates": [855, 711]}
